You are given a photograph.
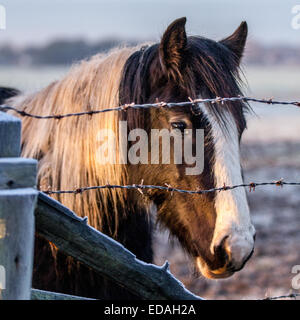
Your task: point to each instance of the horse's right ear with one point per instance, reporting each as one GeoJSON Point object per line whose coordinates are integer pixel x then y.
{"type": "Point", "coordinates": [172, 48]}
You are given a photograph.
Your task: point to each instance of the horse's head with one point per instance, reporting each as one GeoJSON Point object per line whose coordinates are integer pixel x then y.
{"type": "Point", "coordinates": [215, 228]}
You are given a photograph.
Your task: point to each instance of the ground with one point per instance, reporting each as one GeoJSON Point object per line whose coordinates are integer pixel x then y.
{"type": "Point", "coordinates": [275, 213]}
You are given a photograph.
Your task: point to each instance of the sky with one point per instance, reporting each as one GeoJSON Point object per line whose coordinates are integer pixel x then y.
{"type": "Point", "coordinates": [38, 21]}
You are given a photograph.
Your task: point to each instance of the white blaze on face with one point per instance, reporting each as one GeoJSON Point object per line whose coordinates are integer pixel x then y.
{"type": "Point", "coordinates": [233, 216]}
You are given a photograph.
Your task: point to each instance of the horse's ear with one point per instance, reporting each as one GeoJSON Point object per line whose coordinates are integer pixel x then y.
{"type": "Point", "coordinates": [172, 47]}
{"type": "Point", "coordinates": [236, 42]}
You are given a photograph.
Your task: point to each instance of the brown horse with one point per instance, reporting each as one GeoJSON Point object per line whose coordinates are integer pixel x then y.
{"type": "Point", "coordinates": [215, 228]}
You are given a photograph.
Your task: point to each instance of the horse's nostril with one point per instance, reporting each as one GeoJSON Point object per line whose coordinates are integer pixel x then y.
{"type": "Point", "coordinates": [234, 251]}
{"type": "Point", "coordinates": [220, 251]}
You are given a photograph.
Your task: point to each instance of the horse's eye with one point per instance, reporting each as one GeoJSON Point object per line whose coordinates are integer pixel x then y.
{"type": "Point", "coordinates": [178, 125]}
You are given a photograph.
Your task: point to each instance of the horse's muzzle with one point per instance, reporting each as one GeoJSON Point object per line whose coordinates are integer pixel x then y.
{"type": "Point", "coordinates": [234, 251]}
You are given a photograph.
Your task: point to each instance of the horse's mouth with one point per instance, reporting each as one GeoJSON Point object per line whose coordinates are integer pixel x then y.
{"type": "Point", "coordinates": [207, 272]}
{"type": "Point", "coordinates": [230, 260]}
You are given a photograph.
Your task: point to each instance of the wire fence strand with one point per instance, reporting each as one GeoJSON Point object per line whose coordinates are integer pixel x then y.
{"type": "Point", "coordinates": [169, 188]}
{"type": "Point", "coordinates": [288, 296]}
{"type": "Point", "coordinates": [124, 107]}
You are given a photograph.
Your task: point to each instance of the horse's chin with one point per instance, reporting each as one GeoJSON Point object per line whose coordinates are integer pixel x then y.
{"type": "Point", "coordinates": [204, 269]}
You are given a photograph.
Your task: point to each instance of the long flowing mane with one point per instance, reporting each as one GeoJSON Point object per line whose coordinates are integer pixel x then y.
{"type": "Point", "coordinates": [66, 149]}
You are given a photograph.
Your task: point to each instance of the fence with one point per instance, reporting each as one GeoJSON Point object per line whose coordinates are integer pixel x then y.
{"type": "Point", "coordinates": [62, 227]}
{"type": "Point", "coordinates": [24, 211]}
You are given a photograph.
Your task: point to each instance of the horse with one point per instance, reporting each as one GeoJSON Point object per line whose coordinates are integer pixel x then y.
{"type": "Point", "coordinates": [214, 229]}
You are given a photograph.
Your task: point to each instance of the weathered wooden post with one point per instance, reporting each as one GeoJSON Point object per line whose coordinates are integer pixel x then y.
{"type": "Point", "coordinates": [17, 202]}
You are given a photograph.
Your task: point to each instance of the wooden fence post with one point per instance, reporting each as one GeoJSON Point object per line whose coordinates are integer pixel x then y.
{"type": "Point", "coordinates": [17, 202]}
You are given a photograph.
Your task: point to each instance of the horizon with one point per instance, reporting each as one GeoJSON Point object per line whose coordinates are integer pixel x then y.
{"type": "Point", "coordinates": [39, 22]}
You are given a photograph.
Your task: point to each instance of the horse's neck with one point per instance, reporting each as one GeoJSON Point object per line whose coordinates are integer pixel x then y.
{"type": "Point", "coordinates": [134, 229]}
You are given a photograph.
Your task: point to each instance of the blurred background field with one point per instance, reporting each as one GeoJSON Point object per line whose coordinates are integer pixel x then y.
{"type": "Point", "coordinates": [43, 40]}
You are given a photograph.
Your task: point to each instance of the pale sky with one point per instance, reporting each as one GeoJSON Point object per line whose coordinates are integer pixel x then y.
{"type": "Point", "coordinates": [37, 21]}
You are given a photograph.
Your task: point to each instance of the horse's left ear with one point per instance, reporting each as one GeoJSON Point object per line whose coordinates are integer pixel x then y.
{"type": "Point", "coordinates": [172, 47]}
{"type": "Point", "coordinates": [236, 42]}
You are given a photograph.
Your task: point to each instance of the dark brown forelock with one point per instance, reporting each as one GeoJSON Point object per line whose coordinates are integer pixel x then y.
{"type": "Point", "coordinates": [213, 71]}
{"type": "Point", "coordinates": [210, 70]}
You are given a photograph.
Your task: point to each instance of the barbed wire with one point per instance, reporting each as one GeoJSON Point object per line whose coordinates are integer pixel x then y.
{"type": "Point", "coordinates": [124, 107]}
{"type": "Point", "coordinates": [288, 296]}
{"type": "Point", "coordinates": [169, 188]}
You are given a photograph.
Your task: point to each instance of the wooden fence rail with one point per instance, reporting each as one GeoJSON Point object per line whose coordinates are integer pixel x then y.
{"type": "Point", "coordinates": [47, 295]}
{"type": "Point", "coordinates": [73, 236]}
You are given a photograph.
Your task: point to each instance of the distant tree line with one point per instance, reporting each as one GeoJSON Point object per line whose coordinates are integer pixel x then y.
{"type": "Point", "coordinates": [66, 51]}
{"type": "Point", "coordinates": [58, 52]}
{"type": "Point", "coordinates": [278, 54]}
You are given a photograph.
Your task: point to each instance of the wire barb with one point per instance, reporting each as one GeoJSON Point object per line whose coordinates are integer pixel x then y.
{"type": "Point", "coordinates": [279, 183]}
{"type": "Point", "coordinates": [252, 186]}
